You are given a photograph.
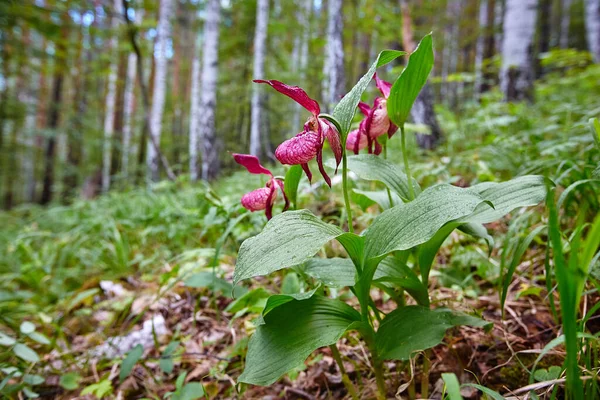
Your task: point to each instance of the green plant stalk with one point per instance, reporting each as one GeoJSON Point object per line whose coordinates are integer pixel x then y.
{"type": "Point", "coordinates": [389, 193]}
{"type": "Point", "coordinates": [411, 190]}
{"type": "Point", "coordinates": [345, 379]}
{"type": "Point", "coordinates": [345, 189]}
{"type": "Point", "coordinates": [425, 375]}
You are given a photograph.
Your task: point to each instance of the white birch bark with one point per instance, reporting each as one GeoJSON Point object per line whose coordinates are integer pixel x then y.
{"type": "Point", "coordinates": [29, 129]}
{"type": "Point", "coordinates": [194, 140]}
{"type": "Point", "coordinates": [335, 82]}
{"type": "Point", "coordinates": [163, 34]}
{"type": "Point", "coordinates": [479, 50]}
{"type": "Point", "coordinates": [110, 100]}
{"type": "Point", "coordinates": [260, 39]}
{"type": "Point", "coordinates": [300, 56]}
{"type": "Point", "coordinates": [128, 102]}
{"type": "Point", "coordinates": [499, 25]}
{"type": "Point", "coordinates": [208, 99]}
{"type": "Point", "coordinates": [516, 73]}
{"type": "Point", "coordinates": [565, 22]}
{"type": "Point", "coordinates": [592, 26]}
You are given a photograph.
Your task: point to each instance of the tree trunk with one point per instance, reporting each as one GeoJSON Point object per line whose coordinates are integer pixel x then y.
{"type": "Point", "coordinates": [565, 22]}
{"type": "Point", "coordinates": [29, 133]}
{"type": "Point", "coordinates": [76, 127]}
{"type": "Point", "coordinates": [335, 82]}
{"type": "Point", "coordinates": [485, 45]}
{"type": "Point", "coordinates": [422, 111]}
{"type": "Point", "coordinates": [300, 52]}
{"type": "Point", "coordinates": [54, 115]}
{"type": "Point", "coordinates": [260, 39]}
{"type": "Point", "coordinates": [194, 140]}
{"type": "Point", "coordinates": [128, 112]}
{"type": "Point", "coordinates": [592, 23]}
{"type": "Point", "coordinates": [208, 100]}
{"type": "Point", "coordinates": [516, 73]}
{"type": "Point", "coordinates": [163, 34]}
{"type": "Point", "coordinates": [111, 98]}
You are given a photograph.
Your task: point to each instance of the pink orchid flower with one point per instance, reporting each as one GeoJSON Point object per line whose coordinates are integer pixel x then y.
{"type": "Point", "coordinates": [262, 198]}
{"type": "Point", "coordinates": [307, 144]}
{"type": "Point", "coordinates": [377, 121]}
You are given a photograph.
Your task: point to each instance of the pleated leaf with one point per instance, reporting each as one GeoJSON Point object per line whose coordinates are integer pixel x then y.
{"type": "Point", "coordinates": [290, 333]}
{"type": "Point", "coordinates": [415, 328]}
{"type": "Point", "coordinates": [288, 239]}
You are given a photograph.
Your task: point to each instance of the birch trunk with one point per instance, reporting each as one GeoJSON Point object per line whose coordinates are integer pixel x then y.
{"type": "Point", "coordinates": [592, 25]}
{"type": "Point", "coordinates": [422, 111]}
{"type": "Point", "coordinates": [260, 39]}
{"type": "Point", "coordinates": [129, 104]}
{"type": "Point", "coordinates": [301, 51]}
{"type": "Point", "coordinates": [163, 34]}
{"type": "Point", "coordinates": [335, 82]}
{"type": "Point", "coordinates": [485, 45]}
{"type": "Point", "coordinates": [128, 112]}
{"type": "Point", "coordinates": [111, 91]}
{"type": "Point", "coordinates": [565, 22]}
{"type": "Point", "coordinates": [208, 99]}
{"type": "Point", "coordinates": [517, 73]}
{"type": "Point", "coordinates": [195, 113]}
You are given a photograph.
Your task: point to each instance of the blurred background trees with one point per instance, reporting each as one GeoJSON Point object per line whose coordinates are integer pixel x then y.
{"type": "Point", "coordinates": [103, 94]}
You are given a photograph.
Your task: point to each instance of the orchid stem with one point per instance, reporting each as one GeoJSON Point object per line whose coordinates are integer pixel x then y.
{"type": "Point", "coordinates": [345, 379]}
{"type": "Point", "coordinates": [389, 193]}
{"type": "Point", "coordinates": [345, 189]}
{"type": "Point", "coordinates": [411, 190]}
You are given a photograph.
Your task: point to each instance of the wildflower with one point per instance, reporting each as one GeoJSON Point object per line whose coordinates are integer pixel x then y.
{"type": "Point", "coordinates": [376, 122]}
{"type": "Point", "coordinates": [262, 198]}
{"type": "Point", "coordinates": [307, 144]}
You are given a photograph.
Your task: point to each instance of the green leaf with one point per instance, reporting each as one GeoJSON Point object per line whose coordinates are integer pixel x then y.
{"type": "Point", "coordinates": [190, 391]}
{"type": "Point", "coordinates": [380, 197]}
{"type": "Point", "coordinates": [410, 82]}
{"type": "Point", "coordinates": [27, 327]}
{"type": "Point", "coordinates": [288, 239]}
{"type": "Point", "coordinates": [410, 224]}
{"type": "Point", "coordinates": [255, 297]}
{"type": "Point", "coordinates": [291, 333]}
{"type": "Point", "coordinates": [70, 381]}
{"type": "Point", "coordinates": [6, 340]}
{"type": "Point", "coordinates": [373, 168]}
{"type": "Point", "coordinates": [99, 389]}
{"type": "Point", "coordinates": [30, 393]}
{"type": "Point", "coordinates": [334, 272]}
{"type": "Point", "coordinates": [392, 271]}
{"type": "Point", "coordinates": [130, 360]}
{"type": "Point", "coordinates": [278, 300]}
{"type": "Point", "coordinates": [492, 393]}
{"type": "Point", "coordinates": [415, 328]}
{"type": "Point", "coordinates": [166, 359]}
{"type": "Point", "coordinates": [291, 182]}
{"type": "Point", "coordinates": [81, 297]}
{"type": "Point", "coordinates": [524, 191]}
{"type": "Point", "coordinates": [344, 111]}
{"type": "Point", "coordinates": [38, 337]}
{"type": "Point", "coordinates": [33, 380]}
{"type": "Point", "coordinates": [290, 284]}
{"type": "Point", "coordinates": [452, 386]}
{"type": "Point", "coordinates": [26, 353]}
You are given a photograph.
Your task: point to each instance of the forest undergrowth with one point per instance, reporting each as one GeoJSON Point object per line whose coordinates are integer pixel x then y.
{"type": "Point", "coordinates": [131, 295]}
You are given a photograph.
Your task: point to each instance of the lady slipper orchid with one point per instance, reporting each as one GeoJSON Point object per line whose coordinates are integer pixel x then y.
{"type": "Point", "coordinates": [262, 198]}
{"type": "Point", "coordinates": [307, 144]}
{"type": "Point", "coordinates": [377, 121]}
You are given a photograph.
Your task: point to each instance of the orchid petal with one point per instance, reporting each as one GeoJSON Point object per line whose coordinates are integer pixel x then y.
{"type": "Point", "coordinates": [281, 186]}
{"type": "Point", "coordinates": [378, 121]}
{"type": "Point", "coordinates": [300, 149]}
{"type": "Point", "coordinates": [270, 201]}
{"type": "Point", "coordinates": [252, 164]}
{"type": "Point", "coordinates": [321, 168]}
{"type": "Point", "coordinates": [393, 129]}
{"type": "Point", "coordinates": [364, 108]}
{"type": "Point", "coordinates": [333, 138]}
{"type": "Point", "coordinates": [356, 141]}
{"type": "Point", "coordinates": [384, 87]}
{"type": "Point", "coordinates": [378, 148]}
{"type": "Point", "coordinates": [256, 200]}
{"type": "Point", "coordinates": [295, 93]}
{"type": "Point", "coordinates": [307, 172]}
